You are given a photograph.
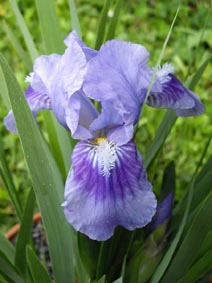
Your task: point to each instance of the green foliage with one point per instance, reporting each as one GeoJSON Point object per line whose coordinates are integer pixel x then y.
{"type": "Point", "coordinates": [38, 271]}
{"type": "Point", "coordinates": [179, 253]}
{"type": "Point", "coordinates": [47, 183]}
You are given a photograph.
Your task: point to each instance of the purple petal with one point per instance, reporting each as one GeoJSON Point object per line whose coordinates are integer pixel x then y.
{"type": "Point", "coordinates": [44, 70]}
{"type": "Point", "coordinates": [9, 122]}
{"type": "Point", "coordinates": [36, 101]}
{"type": "Point", "coordinates": [80, 113]}
{"type": "Point", "coordinates": [67, 80]}
{"type": "Point", "coordinates": [116, 76]}
{"type": "Point", "coordinates": [73, 36]}
{"type": "Point", "coordinates": [106, 187]}
{"type": "Point", "coordinates": [163, 211]}
{"type": "Point", "coordinates": [172, 94]}
{"type": "Point", "coordinates": [197, 109]}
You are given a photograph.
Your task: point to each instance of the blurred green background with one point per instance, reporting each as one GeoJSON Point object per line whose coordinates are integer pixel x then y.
{"type": "Point", "coordinates": [143, 22]}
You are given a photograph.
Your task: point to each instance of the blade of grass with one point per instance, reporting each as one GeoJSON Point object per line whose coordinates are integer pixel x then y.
{"type": "Point", "coordinates": [199, 73]}
{"type": "Point", "coordinates": [49, 26]}
{"type": "Point", "coordinates": [24, 30]}
{"type": "Point", "coordinates": [46, 180]}
{"type": "Point", "coordinates": [38, 271]}
{"type": "Point", "coordinates": [25, 233]}
{"type": "Point", "coordinates": [74, 18]}
{"type": "Point", "coordinates": [199, 269]}
{"type": "Point", "coordinates": [169, 118]}
{"type": "Point", "coordinates": [3, 91]}
{"type": "Point", "coordinates": [89, 253]}
{"type": "Point", "coordinates": [114, 20]}
{"type": "Point", "coordinates": [189, 249]}
{"type": "Point", "coordinates": [81, 274]}
{"type": "Point", "coordinates": [8, 271]}
{"type": "Point", "coordinates": [17, 46]}
{"type": "Point", "coordinates": [170, 252]}
{"type": "Point", "coordinates": [160, 137]}
{"type": "Point", "coordinates": [59, 143]}
{"type": "Point", "coordinates": [160, 57]}
{"type": "Point", "coordinates": [8, 181]}
{"type": "Point", "coordinates": [202, 187]}
{"type": "Point", "coordinates": [192, 58]}
{"type": "Point", "coordinates": [102, 24]}
{"type": "Point", "coordinates": [7, 248]}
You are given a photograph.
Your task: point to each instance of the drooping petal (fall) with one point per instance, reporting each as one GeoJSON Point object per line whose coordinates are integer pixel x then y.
{"type": "Point", "coordinates": [36, 101]}
{"type": "Point", "coordinates": [172, 94]}
{"type": "Point", "coordinates": [107, 187]}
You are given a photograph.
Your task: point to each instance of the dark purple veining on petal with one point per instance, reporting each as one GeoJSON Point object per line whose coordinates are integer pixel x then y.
{"type": "Point", "coordinates": [95, 203]}
{"type": "Point", "coordinates": [176, 96]}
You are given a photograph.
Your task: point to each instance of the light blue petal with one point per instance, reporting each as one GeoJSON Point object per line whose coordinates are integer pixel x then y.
{"type": "Point", "coordinates": [43, 74]}
{"type": "Point", "coordinates": [36, 101]}
{"type": "Point", "coordinates": [73, 36]}
{"type": "Point", "coordinates": [80, 113]}
{"type": "Point", "coordinates": [67, 80]}
{"type": "Point", "coordinates": [9, 122]}
{"type": "Point", "coordinates": [116, 77]}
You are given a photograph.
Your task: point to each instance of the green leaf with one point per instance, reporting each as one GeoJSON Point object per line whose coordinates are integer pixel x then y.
{"type": "Point", "coordinates": [206, 245]}
{"type": "Point", "coordinates": [8, 181]}
{"type": "Point", "coordinates": [25, 233]}
{"type": "Point", "coordinates": [169, 181]}
{"type": "Point", "coordinates": [189, 249]}
{"type": "Point", "coordinates": [102, 279]}
{"type": "Point", "coordinates": [17, 46]}
{"type": "Point", "coordinates": [199, 269]}
{"type": "Point", "coordinates": [199, 73]}
{"type": "Point", "coordinates": [3, 91]}
{"type": "Point", "coordinates": [46, 180]}
{"type": "Point", "coordinates": [97, 256]}
{"type": "Point", "coordinates": [160, 137]}
{"type": "Point", "coordinates": [38, 271]}
{"type": "Point", "coordinates": [201, 38]}
{"type": "Point", "coordinates": [114, 20]}
{"type": "Point", "coordinates": [120, 280]}
{"type": "Point", "coordinates": [169, 118]}
{"type": "Point", "coordinates": [74, 18]}
{"type": "Point", "coordinates": [146, 257]}
{"type": "Point", "coordinates": [49, 25]}
{"type": "Point", "coordinates": [202, 187]}
{"type": "Point", "coordinates": [59, 141]}
{"type": "Point", "coordinates": [207, 168]}
{"type": "Point", "coordinates": [184, 216]}
{"type": "Point", "coordinates": [8, 271]}
{"type": "Point", "coordinates": [89, 253]}
{"type": "Point", "coordinates": [102, 24]}
{"type": "Point", "coordinates": [170, 252]}
{"type": "Point", "coordinates": [24, 30]}
{"type": "Point", "coordinates": [7, 248]}
{"type": "Point", "coordinates": [81, 274]}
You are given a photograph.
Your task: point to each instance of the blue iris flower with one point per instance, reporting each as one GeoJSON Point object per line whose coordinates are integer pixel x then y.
{"type": "Point", "coordinates": [107, 185]}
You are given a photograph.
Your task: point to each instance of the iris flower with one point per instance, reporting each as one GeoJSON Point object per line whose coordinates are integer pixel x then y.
{"type": "Point", "coordinates": [107, 185]}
